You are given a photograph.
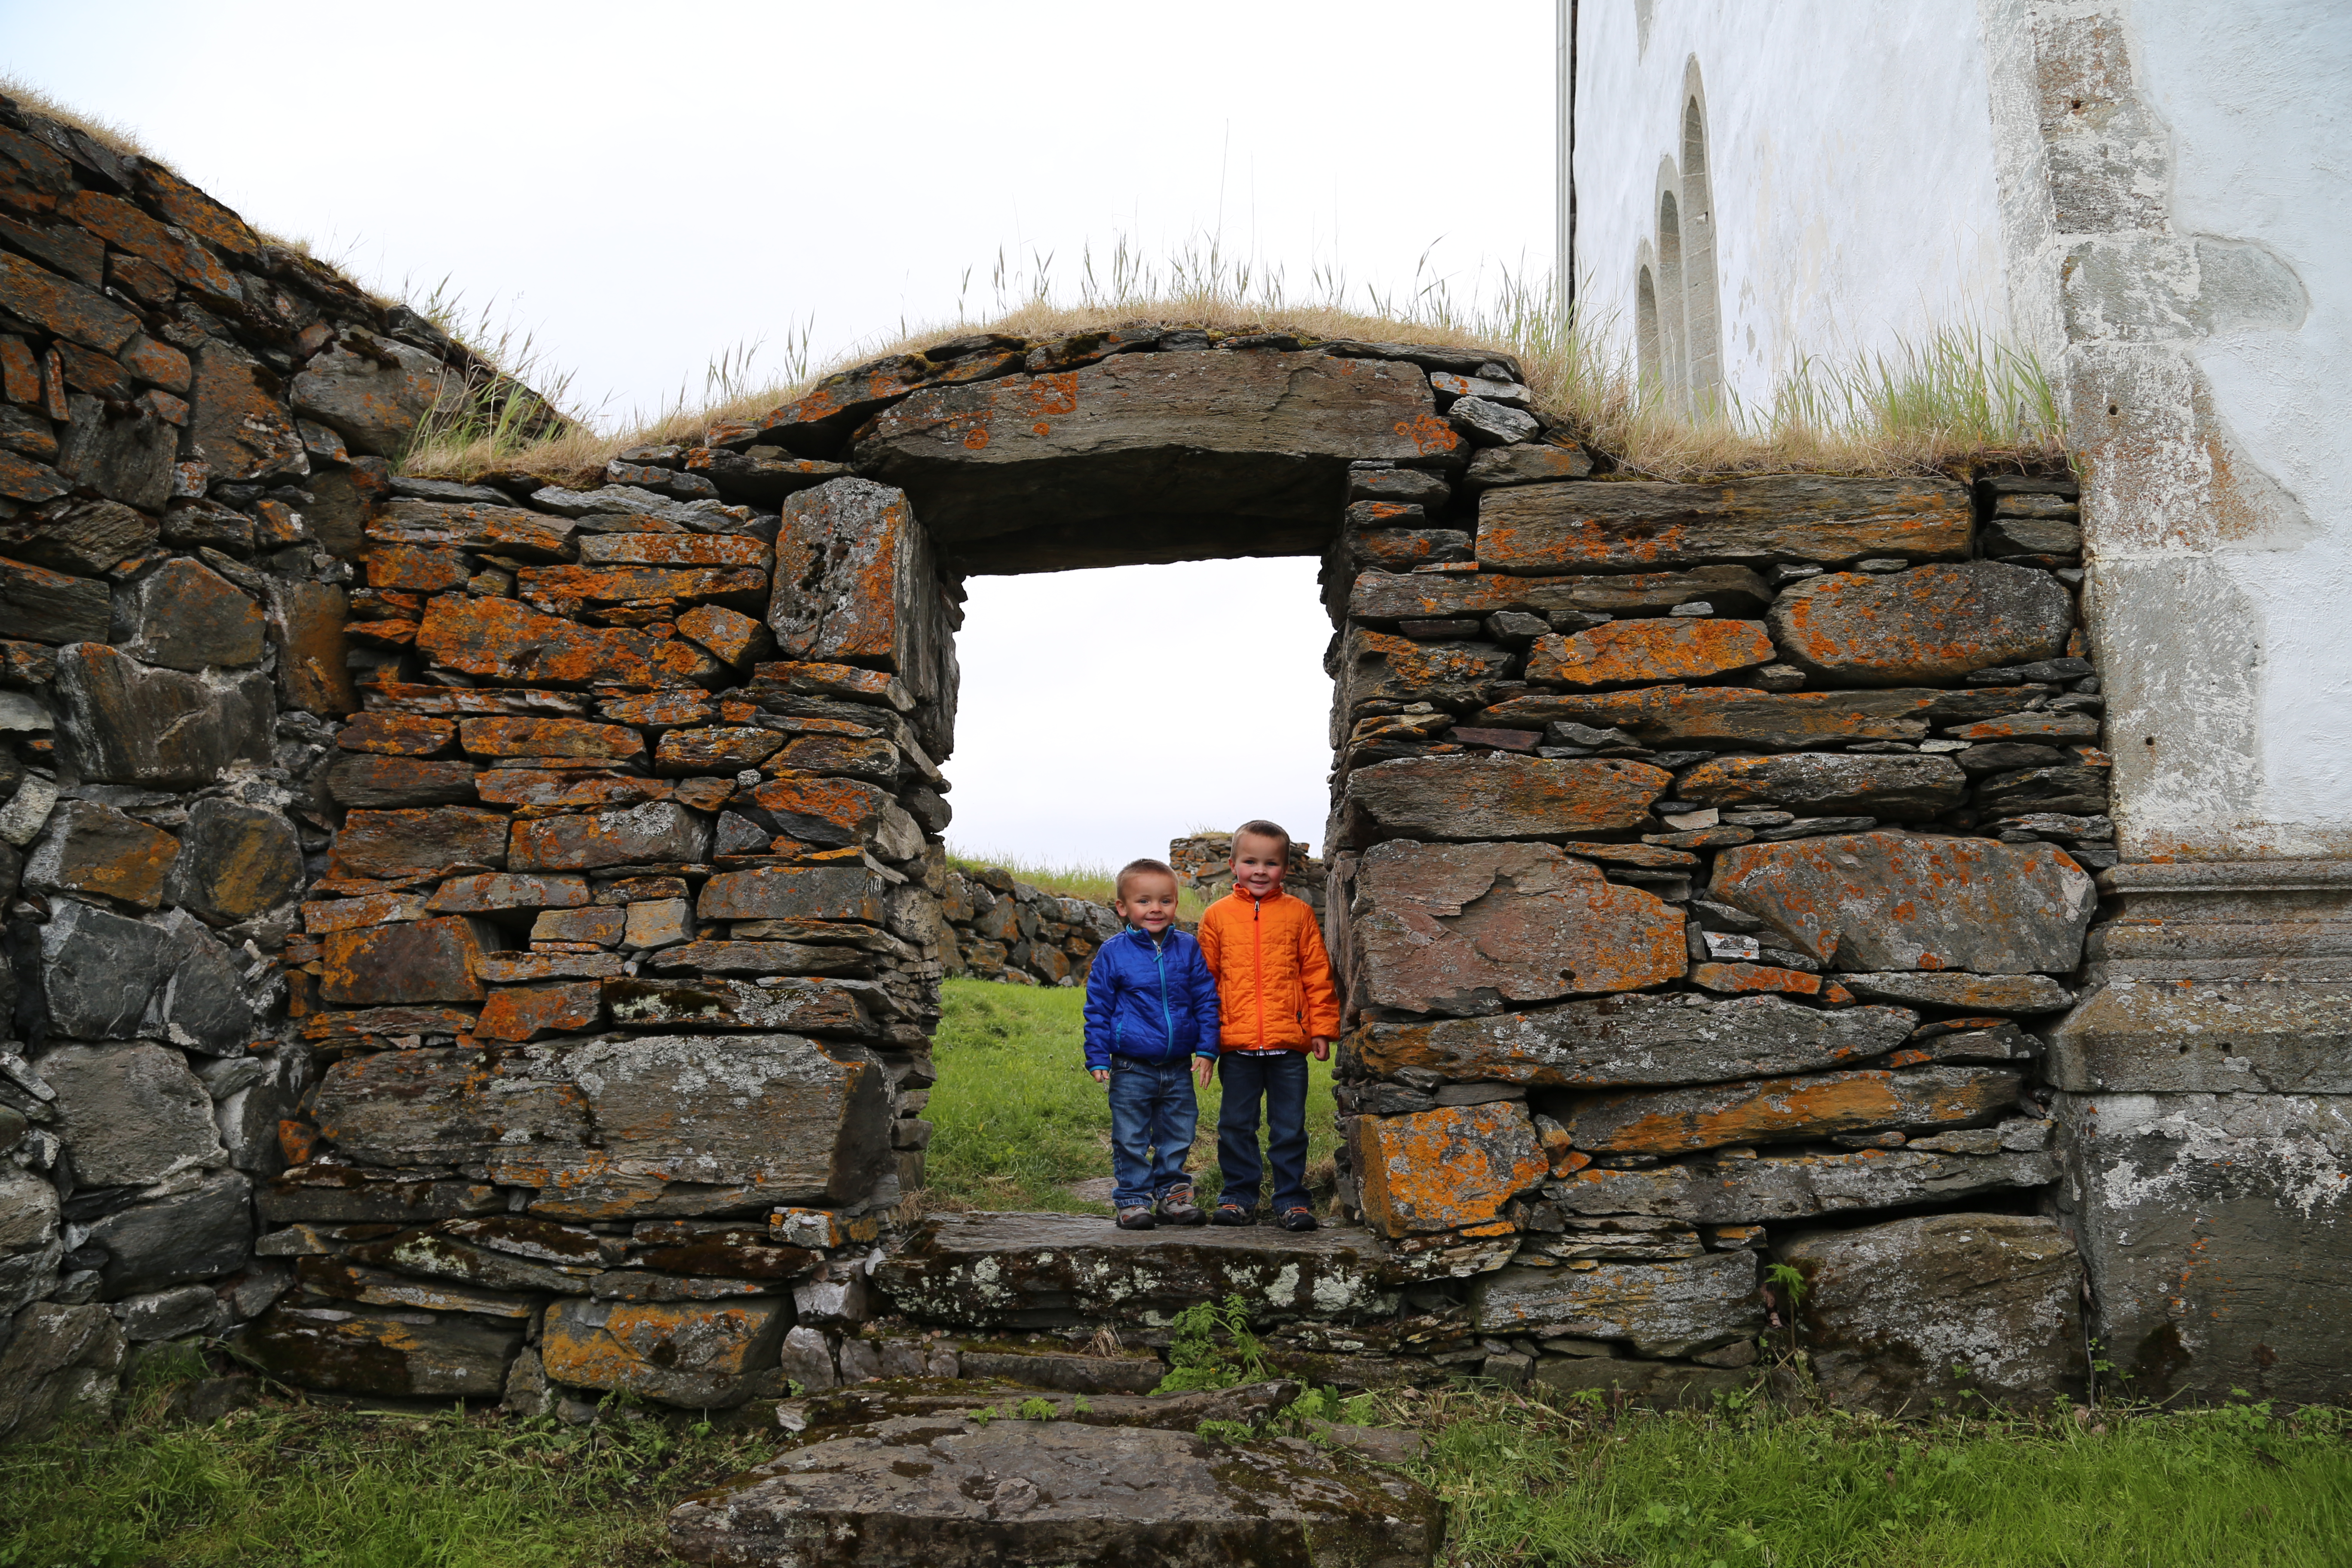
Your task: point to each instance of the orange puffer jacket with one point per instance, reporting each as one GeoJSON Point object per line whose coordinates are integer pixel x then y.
{"type": "Point", "coordinates": [1273, 980]}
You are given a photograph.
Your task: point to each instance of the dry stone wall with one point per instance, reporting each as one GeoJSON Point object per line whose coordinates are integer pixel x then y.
{"type": "Point", "coordinates": [1001, 928]}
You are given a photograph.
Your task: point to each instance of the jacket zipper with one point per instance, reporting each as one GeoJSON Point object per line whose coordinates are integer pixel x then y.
{"type": "Point", "coordinates": [1167, 1021]}
{"type": "Point", "coordinates": [1257, 934]}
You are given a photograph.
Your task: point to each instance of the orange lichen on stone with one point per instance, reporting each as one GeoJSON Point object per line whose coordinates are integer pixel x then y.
{"type": "Point", "coordinates": [1817, 1105]}
{"type": "Point", "coordinates": [526, 1013]}
{"type": "Point", "coordinates": [1738, 978]}
{"type": "Point", "coordinates": [506, 737]}
{"type": "Point", "coordinates": [437, 960]}
{"type": "Point", "coordinates": [397, 735]}
{"type": "Point", "coordinates": [623, 584]}
{"type": "Point", "coordinates": [1658, 647]}
{"type": "Point", "coordinates": [500, 640]}
{"type": "Point", "coordinates": [1445, 1170]}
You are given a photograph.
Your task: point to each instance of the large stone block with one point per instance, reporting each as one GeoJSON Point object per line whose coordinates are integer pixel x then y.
{"type": "Point", "coordinates": [1470, 928]}
{"type": "Point", "coordinates": [1679, 1308]}
{"type": "Point", "coordinates": [853, 579]}
{"type": "Point", "coordinates": [1623, 653]}
{"type": "Point", "coordinates": [795, 893]}
{"type": "Point", "coordinates": [120, 450]}
{"type": "Point", "coordinates": [2217, 1233]}
{"type": "Point", "coordinates": [74, 314]}
{"type": "Point", "coordinates": [838, 813]}
{"type": "Point", "coordinates": [418, 540]}
{"type": "Point", "coordinates": [1930, 623]}
{"type": "Point", "coordinates": [437, 1106]}
{"type": "Point", "coordinates": [500, 640]}
{"type": "Point", "coordinates": [60, 1364]}
{"type": "Point", "coordinates": [132, 1115]}
{"type": "Point", "coordinates": [507, 736]}
{"type": "Point", "coordinates": [822, 1007]}
{"type": "Point", "coordinates": [419, 843]}
{"type": "Point", "coordinates": [945, 1491]}
{"type": "Point", "coordinates": [659, 832]}
{"type": "Point", "coordinates": [126, 722]}
{"type": "Point", "coordinates": [1637, 1039]}
{"type": "Point", "coordinates": [744, 586]}
{"type": "Point", "coordinates": [1954, 1308]}
{"type": "Point", "coordinates": [1448, 1168]}
{"type": "Point", "coordinates": [184, 615]}
{"type": "Point", "coordinates": [698, 1354]}
{"type": "Point", "coordinates": [202, 1233]}
{"type": "Point", "coordinates": [2243, 1036]}
{"type": "Point", "coordinates": [1497, 796]}
{"type": "Point", "coordinates": [84, 539]}
{"type": "Point", "coordinates": [1564, 527]}
{"type": "Point", "coordinates": [95, 851]}
{"type": "Point", "coordinates": [1816, 1106]}
{"type": "Point", "coordinates": [423, 1355]}
{"type": "Point", "coordinates": [374, 783]}
{"type": "Point", "coordinates": [1737, 1188]}
{"type": "Point", "coordinates": [1893, 900]}
{"type": "Point", "coordinates": [1957, 989]}
{"type": "Point", "coordinates": [1053, 1270]}
{"type": "Point", "coordinates": [1107, 463]}
{"type": "Point", "coordinates": [235, 423]}
{"type": "Point", "coordinates": [103, 977]}
{"type": "Point", "coordinates": [235, 860]}
{"type": "Point", "coordinates": [1831, 784]}
{"type": "Point", "coordinates": [435, 960]}
{"type": "Point", "coordinates": [374, 390]}
{"type": "Point", "coordinates": [30, 1245]}
{"type": "Point", "coordinates": [306, 626]}
{"type": "Point", "coordinates": [1728, 716]}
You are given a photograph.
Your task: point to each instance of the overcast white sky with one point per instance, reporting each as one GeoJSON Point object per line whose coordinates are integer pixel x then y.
{"type": "Point", "coordinates": [643, 188]}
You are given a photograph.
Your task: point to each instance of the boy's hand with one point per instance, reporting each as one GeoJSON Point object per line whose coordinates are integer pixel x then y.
{"type": "Point", "coordinates": [1321, 1049]}
{"type": "Point", "coordinates": [1102, 1075]}
{"type": "Point", "coordinates": [1201, 1068]}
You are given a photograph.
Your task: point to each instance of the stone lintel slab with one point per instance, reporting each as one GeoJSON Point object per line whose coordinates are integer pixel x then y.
{"type": "Point", "coordinates": [2173, 1036]}
{"type": "Point", "coordinates": [1051, 1271]}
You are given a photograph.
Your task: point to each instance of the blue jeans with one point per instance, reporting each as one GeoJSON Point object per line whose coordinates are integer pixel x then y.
{"type": "Point", "coordinates": [1152, 1117]}
{"type": "Point", "coordinates": [1281, 1080]}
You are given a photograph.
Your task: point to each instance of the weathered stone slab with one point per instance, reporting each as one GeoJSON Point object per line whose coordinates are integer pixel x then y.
{"type": "Point", "coordinates": [235, 860]}
{"type": "Point", "coordinates": [1497, 796]}
{"type": "Point", "coordinates": [1956, 1308]}
{"type": "Point", "coordinates": [428, 528]}
{"type": "Point", "coordinates": [1468, 929]}
{"type": "Point", "coordinates": [1637, 1039]}
{"type": "Point", "coordinates": [820, 1007]}
{"type": "Point", "coordinates": [2247, 1037]}
{"type": "Point", "coordinates": [1679, 1308]}
{"type": "Point", "coordinates": [397, 1354]}
{"type": "Point", "coordinates": [60, 1364]}
{"type": "Point", "coordinates": [793, 892]}
{"type": "Point", "coordinates": [52, 607]}
{"type": "Point", "coordinates": [1975, 993]}
{"type": "Point", "coordinates": [936, 1491]}
{"type": "Point", "coordinates": [1627, 526]}
{"type": "Point", "coordinates": [1447, 1169]}
{"type": "Point", "coordinates": [532, 1012]}
{"type": "Point", "coordinates": [98, 852]}
{"type": "Point", "coordinates": [236, 425]}
{"type": "Point", "coordinates": [697, 1354]}
{"type": "Point", "coordinates": [1727, 1190]}
{"type": "Point", "coordinates": [436, 960]}
{"type": "Point", "coordinates": [658, 832]}
{"type": "Point", "coordinates": [184, 615]}
{"type": "Point", "coordinates": [1899, 788]}
{"type": "Point", "coordinates": [856, 583]}
{"type": "Point", "coordinates": [343, 1195]}
{"type": "Point", "coordinates": [758, 1118]}
{"type": "Point", "coordinates": [1927, 624]}
{"type": "Point", "coordinates": [84, 540]}
{"type": "Point", "coordinates": [507, 736]}
{"type": "Point", "coordinates": [1660, 647]}
{"type": "Point", "coordinates": [2215, 1228]}
{"type": "Point", "coordinates": [1378, 667]}
{"type": "Point", "coordinates": [378, 782]}
{"type": "Point", "coordinates": [1818, 1105]}
{"type": "Point", "coordinates": [446, 1251]}
{"type": "Point", "coordinates": [500, 640]}
{"type": "Point", "coordinates": [199, 1234]}
{"type": "Point", "coordinates": [1129, 1372]}
{"type": "Point", "coordinates": [436, 1107]}
{"type": "Point", "coordinates": [1254, 436]}
{"type": "Point", "coordinates": [493, 890]}
{"type": "Point", "coordinates": [1382, 598]}
{"type": "Point", "coordinates": [133, 1114]}
{"type": "Point", "coordinates": [129, 724]}
{"type": "Point", "coordinates": [30, 1245]}
{"type": "Point", "coordinates": [1871, 901]}
{"type": "Point", "coordinates": [103, 977]}
{"type": "Point", "coordinates": [838, 813]}
{"type": "Point", "coordinates": [374, 390]}
{"type": "Point", "coordinates": [1727, 715]}
{"type": "Point", "coordinates": [1050, 1270]}
{"type": "Point", "coordinates": [341, 1279]}
{"type": "Point", "coordinates": [419, 843]}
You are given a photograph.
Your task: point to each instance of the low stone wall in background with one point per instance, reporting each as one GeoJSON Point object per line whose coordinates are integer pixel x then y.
{"type": "Point", "coordinates": [1008, 931]}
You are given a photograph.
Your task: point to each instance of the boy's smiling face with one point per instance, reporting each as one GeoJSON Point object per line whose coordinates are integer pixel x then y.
{"type": "Point", "coordinates": [1259, 864]}
{"type": "Point", "coordinates": [1148, 900]}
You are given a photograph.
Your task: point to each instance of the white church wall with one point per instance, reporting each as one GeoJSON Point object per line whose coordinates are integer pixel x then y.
{"type": "Point", "coordinates": [1851, 162]}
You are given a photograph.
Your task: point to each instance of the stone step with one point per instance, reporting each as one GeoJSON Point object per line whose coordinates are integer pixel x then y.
{"type": "Point", "coordinates": [1055, 1270]}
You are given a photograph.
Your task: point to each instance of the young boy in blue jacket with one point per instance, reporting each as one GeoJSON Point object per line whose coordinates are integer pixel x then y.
{"type": "Point", "coordinates": [1152, 1026]}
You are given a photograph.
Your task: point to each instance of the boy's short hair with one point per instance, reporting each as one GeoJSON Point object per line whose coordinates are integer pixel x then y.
{"type": "Point", "coordinates": [1259, 827]}
{"type": "Point", "coordinates": [1137, 869]}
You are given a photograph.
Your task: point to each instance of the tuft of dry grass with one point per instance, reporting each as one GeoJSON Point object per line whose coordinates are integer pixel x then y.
{"type": "Point", "coordinates": [1960, 399]}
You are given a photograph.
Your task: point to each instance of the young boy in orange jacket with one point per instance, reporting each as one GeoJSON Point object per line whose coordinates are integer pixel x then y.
{"type": "Point", "coordinates": [1276, 1005]}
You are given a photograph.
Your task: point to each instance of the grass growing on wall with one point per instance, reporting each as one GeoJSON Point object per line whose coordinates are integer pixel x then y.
{"type": "Point", "coordinates": [1016, 1118]}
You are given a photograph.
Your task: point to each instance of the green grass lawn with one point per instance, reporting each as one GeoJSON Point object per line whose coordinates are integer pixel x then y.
{"type": "Point", "coordinates": [1016, 1118]}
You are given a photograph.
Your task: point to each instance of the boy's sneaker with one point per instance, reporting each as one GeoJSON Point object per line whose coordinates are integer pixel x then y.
{"type": "Point", "coordinates": [1234, 1213]}
{"type": "Point", "coordinates": [1136, 1219]}
{"type": "Point", "coordinates": [1299, 1219]}
{"type": "Point", "coordinates": [1176, 1207]}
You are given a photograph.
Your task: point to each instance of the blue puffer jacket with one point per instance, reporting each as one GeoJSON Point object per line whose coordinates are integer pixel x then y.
{"type": "Point", "coordinates": [1152, 1001]}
